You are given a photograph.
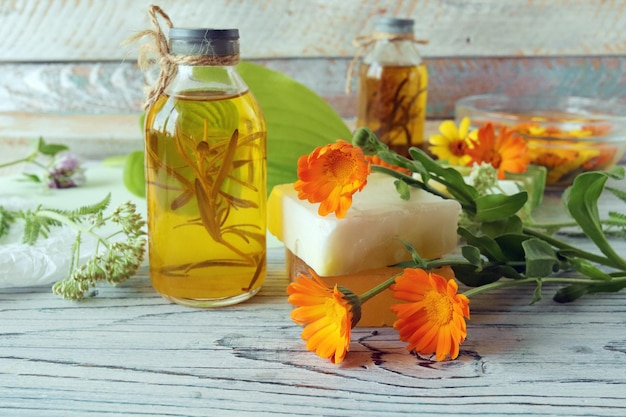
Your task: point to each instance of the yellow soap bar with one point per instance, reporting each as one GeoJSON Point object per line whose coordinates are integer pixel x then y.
{"type": "Point", "coordinates": [376, 311]}
{"type": "Point", "coordinates": [370, 236]}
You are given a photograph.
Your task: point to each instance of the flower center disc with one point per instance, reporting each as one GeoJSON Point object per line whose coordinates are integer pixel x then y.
{"type": "Point", "coordinates": [340, 167]}
{"type": "Point", "coordinates": [439, 307]}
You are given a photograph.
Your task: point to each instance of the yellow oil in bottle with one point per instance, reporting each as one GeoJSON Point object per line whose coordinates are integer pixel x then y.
{"type": "Point", "coordinates": [392, 103]}
{"type": "Point", "coordinates": [206, 193]}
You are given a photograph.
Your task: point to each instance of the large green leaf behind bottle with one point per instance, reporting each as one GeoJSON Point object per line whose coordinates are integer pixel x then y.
{"type": "Point", "coordinates": [298, 120]}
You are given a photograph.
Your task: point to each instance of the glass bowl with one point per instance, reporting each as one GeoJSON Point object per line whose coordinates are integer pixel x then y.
{"type": "Point", "coordinates": [567, 135]}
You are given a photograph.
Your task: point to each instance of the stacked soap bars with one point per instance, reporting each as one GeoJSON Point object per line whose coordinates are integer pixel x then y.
{"type": "Point", "coordinates": [359, 250]}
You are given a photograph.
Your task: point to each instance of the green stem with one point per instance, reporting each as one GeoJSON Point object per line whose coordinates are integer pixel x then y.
{"type": "Point", "coordinates": [417, 183]}
{"type": "Point", "coordinates": [579, 252]}
{"type": "Point", "coordinates": [550, 280]}
{"type": "Point", "coordinates": [427, 266]}
{"type": "Point", "coordinates": [19, 161]}
{"type": "Point", "coordinates": [378, 289]}
{"type": "Point", "coordinates": [76, 226]}
{"type": "Point", "coordinates": [560, 225]}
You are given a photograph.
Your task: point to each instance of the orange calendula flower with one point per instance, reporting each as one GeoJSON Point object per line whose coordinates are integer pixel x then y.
{"type": "Point", "coordinates": [330, 175]}
{"type": "Point", "coordinates": [563, 162]}
{"type": "Point", "coordinates": [329, 315]}
{"type": "Point", "coordinates": [505, 151]}
{"type": "Point", "coordinates": [452, 143]}
{"type": "Point", "coordinates": [433, 320]}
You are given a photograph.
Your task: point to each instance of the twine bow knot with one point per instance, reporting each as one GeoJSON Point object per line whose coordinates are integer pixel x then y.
{"type": "Point", "coordinates": [167, 61]}
{"type": "Point", "coordinates": [362, 42]}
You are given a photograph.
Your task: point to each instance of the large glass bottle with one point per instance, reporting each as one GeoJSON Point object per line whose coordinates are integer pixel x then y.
{"type": "Point", "coordinates": [393, 86]}
{"type": "Point", "coordinates": [206, 177]}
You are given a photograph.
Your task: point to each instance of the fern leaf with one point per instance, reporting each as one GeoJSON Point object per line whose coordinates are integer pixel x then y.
{"type": "Point", "coordinates": [617, 216]}
{"type": "Point", "coordinates": [32, 230]}
{"type": "Point", "coordinates": [621, 194]}
{"type": "Point", "coordinates": [6, 218]}
{"type": "Point", "coordinates": [98, 207]}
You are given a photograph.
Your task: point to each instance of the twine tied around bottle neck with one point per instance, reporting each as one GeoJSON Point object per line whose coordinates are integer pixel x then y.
{"type": "Point", "coordinates": [167, 61]}
{"type": "Point", "coordinates": [365, 41]}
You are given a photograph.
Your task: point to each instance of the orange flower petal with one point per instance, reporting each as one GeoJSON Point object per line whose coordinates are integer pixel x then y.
{"type": "Point", "coordinates": [326, 313]}
{"type": "Point", "coordinates": [330, 175]}
{"type": "Point", "coordinates": [506, 151]}
{"type": "Point", "coordinates": [433, 321]}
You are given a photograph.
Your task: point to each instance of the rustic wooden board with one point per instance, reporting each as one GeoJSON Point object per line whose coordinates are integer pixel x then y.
{"type": "Point", "coordinates": [51, 30]}
{"type": "Point", "coordinates": [129, 352]}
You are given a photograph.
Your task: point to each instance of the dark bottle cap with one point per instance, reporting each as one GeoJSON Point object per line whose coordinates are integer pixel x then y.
{"type": "Point", "coordinates": [393, 25]}
{"type": "Point", "coordinates": [199, 41]}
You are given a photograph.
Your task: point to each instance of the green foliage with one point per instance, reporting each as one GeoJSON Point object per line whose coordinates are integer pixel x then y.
{"type": "Point", "coordinates": [403, 189]}
{"type": "Point", "coordinates": [49, 149]}
{"type": "Point", "coordinates": [541, 258]}
{"type": "Point", "coordinates": [114, 261]}
{"type": "Point", "coordinates": [41, 147]}
{"type": "Point", "coordinates": [500, 249]}
{"type": "Point", "coordinates": [582, 204]}
{"type": "Point", "coordinates": [134, 176]}
{"type": "Point", "coordinates": [298, 120]}
{"type": "Point", "coordinates": [495, 207]}
{"type": "Point", "coordinates": [6, 218]}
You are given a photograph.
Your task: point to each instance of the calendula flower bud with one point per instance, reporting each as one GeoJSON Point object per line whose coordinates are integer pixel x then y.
{"type": "Point", "coordinates": [366, 139]}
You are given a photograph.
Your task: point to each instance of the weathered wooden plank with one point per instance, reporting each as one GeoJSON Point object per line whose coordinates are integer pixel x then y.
{"type": "Point", "coordinates": [112, 87]}
{"type": "Point", "coordinates": [129, 352]}
{"type": "Point", "coordinates": [51, 30]}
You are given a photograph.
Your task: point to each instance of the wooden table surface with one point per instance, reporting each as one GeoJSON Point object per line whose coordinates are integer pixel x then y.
{"type": "Point", "coordinates": [128, 352]}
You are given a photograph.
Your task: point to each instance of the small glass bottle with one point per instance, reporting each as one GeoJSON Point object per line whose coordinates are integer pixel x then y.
{"type": "Point", "coordinates": [393, 86]}
{"type": "Point", "coordinates": [206, 176]}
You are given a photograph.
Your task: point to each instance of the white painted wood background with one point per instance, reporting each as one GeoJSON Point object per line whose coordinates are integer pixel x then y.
{"type": "Point", "coordinates": [61, 55]}
{"type": "Point", "coordinates": [65, 57]}
{"type": "Point", "coordinates": [52, 30]}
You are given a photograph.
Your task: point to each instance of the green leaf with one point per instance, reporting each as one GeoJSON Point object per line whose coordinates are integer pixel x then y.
{"type": "Point", "coordinates": [582, 203]}
{"type": "Point", "coordinates": [512, 224]}
{"type": "Point", "coordinates": [588, 269]}
{"type": "Point", "coordinates": [570, 293]}
{"type": "Point", "coordinates": [417, 261]}
{"type": "Point", "coordinates": [492, 207]}
{"type": "Point", "coordinates": [114, 161]}
{"type": "Point", "coordinates": [31, 177]}
{"type": "Point", "coordinates": [403, 189]}
{"type": "Point", "coordinates": [487, 245]}
{"type": "Point", "coordinates": [6, 219]}
{"type": "Point", "coordinates": [298, 120]}
{"type": "Point", "coordinates": [472, 254]}
{"type": "Point", "coordinates": [575, 291]}
{"type": "Point", "coordinates": [621, 194]}
{"type": "Point", "coordinates": [134, 174]}
{"type": "Point", "coordinates": [511, 245]}
{"type": "Point", "coordinates": [537, 293]}
{"type": "Point", "coordinates": [475, 277]}
{"type": "Point", "coordinates": [449, 177]}
{"type": "Point", "coordinates": [50, 149]}
{"type": "Point", "coordinates": [541, 259]}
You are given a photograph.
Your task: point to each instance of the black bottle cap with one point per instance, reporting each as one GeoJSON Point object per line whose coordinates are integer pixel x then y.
{"type": "Point", "coordinates": [202, 41]}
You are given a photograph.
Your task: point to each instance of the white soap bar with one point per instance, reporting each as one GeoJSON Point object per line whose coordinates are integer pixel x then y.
{"type": "Point", "coordinates": [370, 235]}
